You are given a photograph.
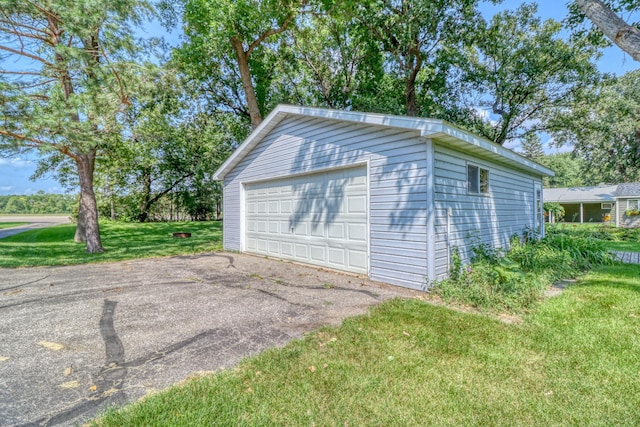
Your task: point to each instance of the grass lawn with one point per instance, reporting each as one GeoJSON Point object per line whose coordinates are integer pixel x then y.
{"type": "Point", "coordinates": [628, 246]}
{"type": "Point", "coordinates": [615, 239]}
{"type": "Point", "coordinates": [11, 224]}
{"type": "Point", "coordinates": [572, 361]}
{"type": "Point", "coordinates": [121, 241]}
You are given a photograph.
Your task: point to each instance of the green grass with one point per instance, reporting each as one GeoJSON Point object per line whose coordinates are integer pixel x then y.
{"type": "Point", "coordinates": [572, 361]}
{"type": "Point", "coordinates": [11, 224]}
{"type": "Point", "coordinates": [121, 241]}
{"type": "Point", "coordinates": [615, 239]}
{"type": "Point", "coordinates": [628, 246]}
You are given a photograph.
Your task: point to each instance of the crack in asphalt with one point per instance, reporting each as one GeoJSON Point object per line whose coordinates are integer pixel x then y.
{"type": "Point", "coordinates": [25, 284]}
{"type": "Point", "coordinates": [64, 297]}
{"type": "Point", "coordinates": [110, 378]}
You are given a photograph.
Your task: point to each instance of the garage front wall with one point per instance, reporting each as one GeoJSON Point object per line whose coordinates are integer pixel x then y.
{"type": "Point", "coordinates": [396, 160]}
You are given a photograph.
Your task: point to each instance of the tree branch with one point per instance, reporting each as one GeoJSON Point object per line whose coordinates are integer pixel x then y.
{"type": "Point", "coordinates": [269, 33]}
{"type": "Point", "coordinates": [625, 36]}
{"type": "Point", "coordinates": [26, 54]}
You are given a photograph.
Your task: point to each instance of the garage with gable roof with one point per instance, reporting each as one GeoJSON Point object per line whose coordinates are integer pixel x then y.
{"type": "Point", "coordinates": [385, 196]}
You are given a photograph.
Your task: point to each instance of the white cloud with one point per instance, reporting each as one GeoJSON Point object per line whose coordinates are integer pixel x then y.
{"type": "Point", "coordinates": [16, 162]}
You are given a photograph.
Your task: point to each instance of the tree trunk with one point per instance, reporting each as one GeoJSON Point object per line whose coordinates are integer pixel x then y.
{"type": "Point", "coordinates": [626, 36]}
{"type": "Point", "coordinates": [245, 74]}
{"type": "Point", "coordinates": [410, 97]}
{"type": "Point", "coordinates": [145, 203]}
{"type": "Point", "coordinates": [81, 232]}
{"type": "Point", "coordinates": [88, 206]}
{"type": "Point", "coordinates": [415, 62]}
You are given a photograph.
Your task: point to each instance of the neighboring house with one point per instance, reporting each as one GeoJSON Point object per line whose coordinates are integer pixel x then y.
{"type": "Point", "coordinates": [613, 204]}
{"type": "Point", "coordinates": [384, 196]}
{"type": "Point", "coordinates": [627, 197]}
{"type": "Point", "coordinates": [584, 204]}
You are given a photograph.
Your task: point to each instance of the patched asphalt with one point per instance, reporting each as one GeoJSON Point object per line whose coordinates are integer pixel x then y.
{"type": "Point", "coordinates": [77, 339]}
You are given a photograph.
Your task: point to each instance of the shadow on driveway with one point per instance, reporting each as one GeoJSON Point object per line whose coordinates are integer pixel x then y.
{"type": "Point", "coordinates": [77, 339]}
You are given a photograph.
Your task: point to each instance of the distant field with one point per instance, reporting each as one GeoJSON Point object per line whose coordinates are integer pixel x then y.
{"type": "Point", "coordinates": [121, 241]}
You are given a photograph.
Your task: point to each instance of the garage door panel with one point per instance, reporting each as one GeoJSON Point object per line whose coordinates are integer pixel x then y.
{"type": "Point", "coordinates": [357, 259]}
{"type": "Point", "coordinates": [357, 204]}
{"type": "Point", "coordinates": [357, 232]}
{"type": "Point", "coordinates": [336, 231]}
{"type": "Point", "coordinates": [319, 219]}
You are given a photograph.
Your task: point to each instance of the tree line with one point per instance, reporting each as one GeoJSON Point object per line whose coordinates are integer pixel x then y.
{"type": "Point", "coordinates": [39, 203]}
{"type": "Point", "coordinates": [134, 124]}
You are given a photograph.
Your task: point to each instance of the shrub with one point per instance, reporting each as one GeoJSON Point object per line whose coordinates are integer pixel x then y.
{"type": "Point", "coordinates": [514, 280]}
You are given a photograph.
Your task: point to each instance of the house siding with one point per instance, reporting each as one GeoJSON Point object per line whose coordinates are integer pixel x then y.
{"type": "Point", "coordinates": [397, 185]}
{"type": "Point", "coordinates": [623, 219]}
{"type": "Point", "coordinates": [507, 209]}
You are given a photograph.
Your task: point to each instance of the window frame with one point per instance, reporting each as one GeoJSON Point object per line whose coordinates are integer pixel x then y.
{"type": "Point", "coordinates": [602, 206]}
{"type": "Point", "coordinates": [482, 179]}
{"type": "Point", "coordinates": [637, 201]}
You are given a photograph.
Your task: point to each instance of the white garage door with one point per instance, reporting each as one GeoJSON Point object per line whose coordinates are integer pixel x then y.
{"type": "Point", "coordinates": [317, 219]}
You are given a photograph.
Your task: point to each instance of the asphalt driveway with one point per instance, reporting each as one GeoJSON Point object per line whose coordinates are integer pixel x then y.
{"type": "Point", "coordinates": [74, 340]}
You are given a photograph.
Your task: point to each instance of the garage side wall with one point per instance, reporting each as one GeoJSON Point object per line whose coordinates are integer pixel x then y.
{"type": "Point", "coordinates": [507, 209]}
{"type": "Point", "coordinates": [397, 185]}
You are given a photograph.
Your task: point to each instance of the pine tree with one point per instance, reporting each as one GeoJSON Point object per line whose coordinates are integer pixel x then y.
{"type": "Point", "coordinates": [531, 146]}
{"type": "Point", "coordinates": [63, 82]}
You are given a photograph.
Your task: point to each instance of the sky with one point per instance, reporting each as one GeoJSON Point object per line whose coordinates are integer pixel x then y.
{"type": "Point", "coordinates": [15, 171]}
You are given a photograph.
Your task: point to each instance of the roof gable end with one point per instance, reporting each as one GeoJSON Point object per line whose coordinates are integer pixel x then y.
{"type": "Point", "coordinates": [438, 130]}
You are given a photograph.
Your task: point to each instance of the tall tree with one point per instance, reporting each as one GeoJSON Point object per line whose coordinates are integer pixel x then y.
{"type": "Point", "coordinates": [64, 82]}
{"type": "Point", "coordinates": [531, 146]}
{"type": "Point", "coordinates": [415, 36]}
{"type": "Point", "coordinates": [604, 128]}
{"type": "Point", "coordinates": [603, 15]}
{"type": "Point", "coordinates": [520, 68]}
{"type": "Point", "coordinates": [568, 169]}
{"type": "Point", "coordinates": [222, 40]}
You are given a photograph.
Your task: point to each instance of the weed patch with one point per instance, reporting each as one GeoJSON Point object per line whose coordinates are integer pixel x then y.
{"type": "Point", "coordinates": [514, 280]}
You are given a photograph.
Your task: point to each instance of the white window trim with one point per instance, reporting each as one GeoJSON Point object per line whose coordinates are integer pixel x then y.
{"type": "Point", "coordinates": [634, 200]}
{"type": "Point", "coordinates": [603, 207]}
{"type": "Point", "coordinates": [480, 168]}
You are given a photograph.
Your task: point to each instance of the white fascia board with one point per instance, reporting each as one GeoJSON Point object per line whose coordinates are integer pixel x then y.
{"type": "Point", "coordinates": [492, 148]}
{"type": "Point", "coordinates": [429, 128]}
{"type": "Point", "coordinates": [252, 140]}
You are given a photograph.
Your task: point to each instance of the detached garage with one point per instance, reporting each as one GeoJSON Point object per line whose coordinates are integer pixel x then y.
{"type": "Point", "coordinates": [384, 196]}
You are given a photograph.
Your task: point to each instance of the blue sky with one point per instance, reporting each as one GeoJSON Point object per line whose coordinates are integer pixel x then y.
{"type": "Point", "coordinates": [15, 172]}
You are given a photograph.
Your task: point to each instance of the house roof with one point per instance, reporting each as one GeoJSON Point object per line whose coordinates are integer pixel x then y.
{"type": "Point", "coordinates": [601, 193]}
{"type": "Point", "coordinates": [628, 189]}
{"type": "Point", "coordinates": [437, 130]}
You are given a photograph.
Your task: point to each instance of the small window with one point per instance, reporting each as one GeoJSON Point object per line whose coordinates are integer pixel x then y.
{"type": "Point", "coordinates": [633, 204]}
{"type": "Point", "coordinates": [477, 180]}
{"type": "Point", "coordinates": [606, 206]}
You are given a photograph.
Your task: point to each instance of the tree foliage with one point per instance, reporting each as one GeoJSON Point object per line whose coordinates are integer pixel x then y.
{"type": "Point", "coordinates": [604, 127]}
{"type": "Point", "coordinates": [568, 169]}
{"type": "Point", "coordinates": [37, 204]}
{"type": "Point", "coordinates": [64, 82]}
{"type": "Point", "coordinates": [520, 69]}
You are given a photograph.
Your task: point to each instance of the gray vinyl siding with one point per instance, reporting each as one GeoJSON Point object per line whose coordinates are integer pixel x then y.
{"type": "Point", "coordinates": [493, 218]}
{"type": "Point", "coordinates": [623, 219]}
{"type": "Point", "coordinates": [397, 185]}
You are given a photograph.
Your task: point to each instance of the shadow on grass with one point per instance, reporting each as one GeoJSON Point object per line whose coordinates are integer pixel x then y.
{"type": "Point", "coordinates": [121, 241]}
